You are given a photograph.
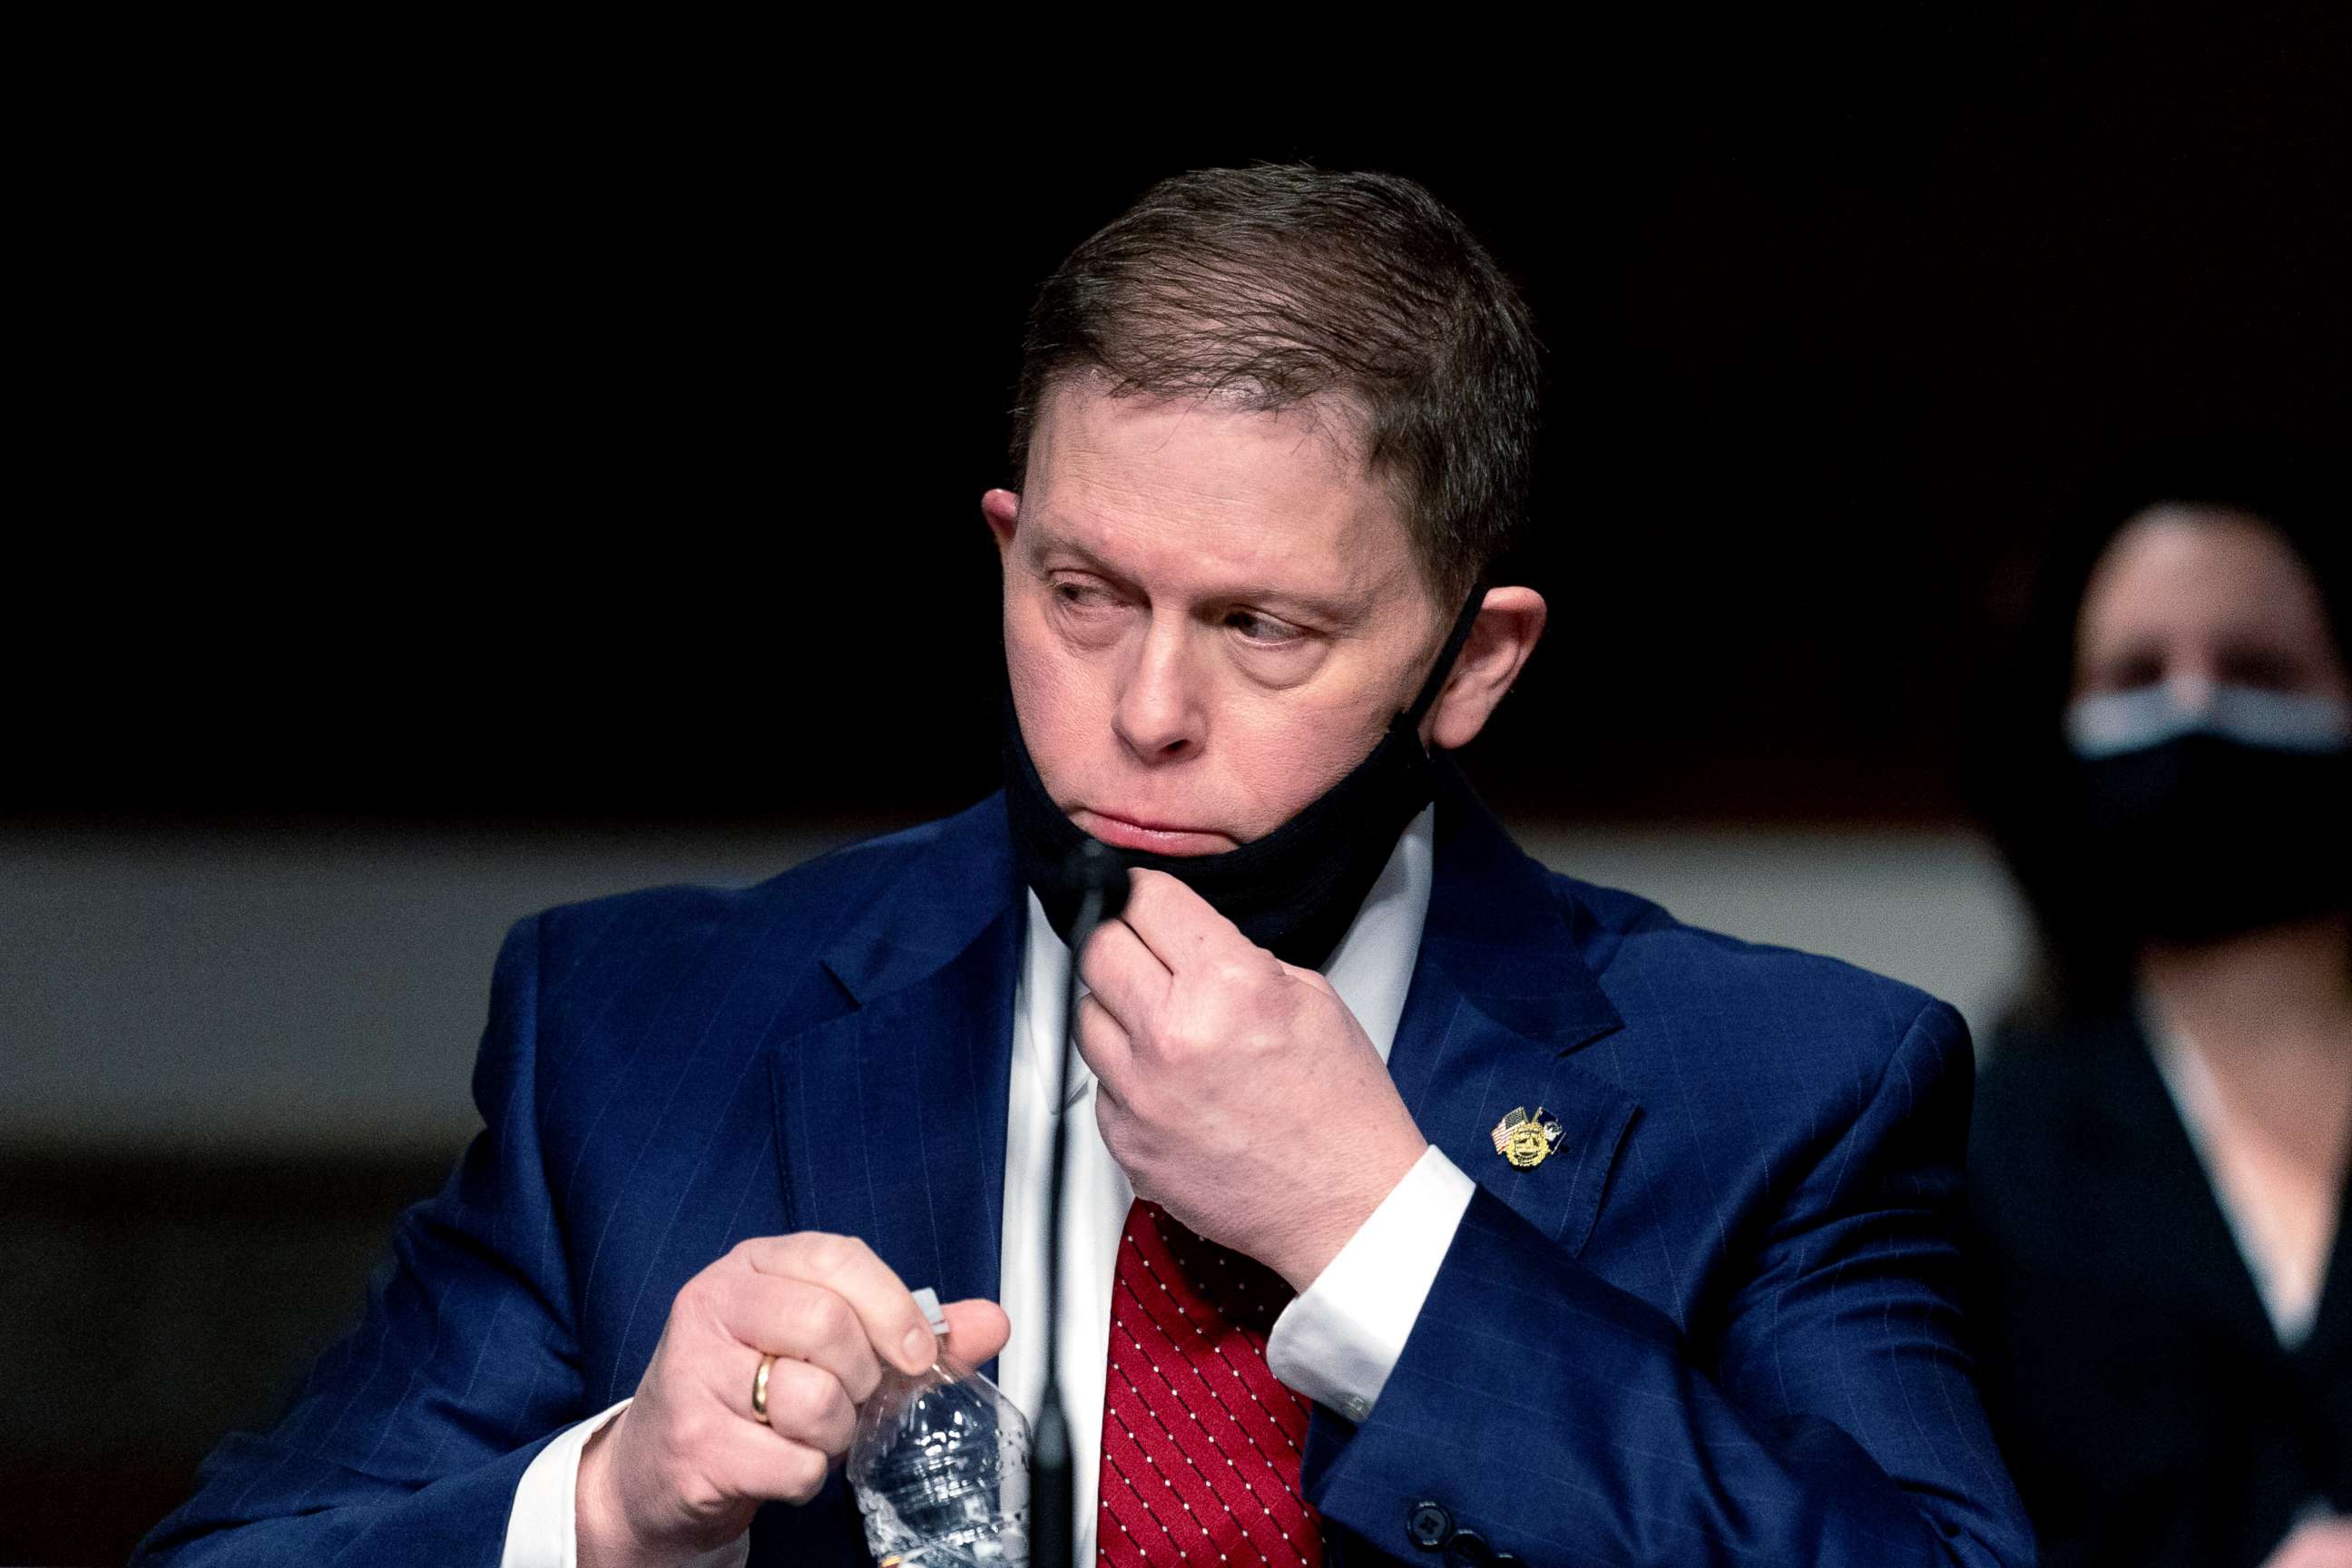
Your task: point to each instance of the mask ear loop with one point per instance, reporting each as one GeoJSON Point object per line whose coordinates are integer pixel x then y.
{"type": "Point", "coordinates": [1455, 640]}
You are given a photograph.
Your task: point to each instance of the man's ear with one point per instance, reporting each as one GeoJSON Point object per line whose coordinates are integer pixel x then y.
{"type": "Point", "coordinates": [1510, 623]}
{"type": "Point", "coordinates": [1002, 510]}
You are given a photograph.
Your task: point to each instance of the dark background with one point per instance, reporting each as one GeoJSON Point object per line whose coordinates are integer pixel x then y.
{"type": "Point", "coordinates": [590, 446]}
{"type": "Point", "coordinates": [529, 434]}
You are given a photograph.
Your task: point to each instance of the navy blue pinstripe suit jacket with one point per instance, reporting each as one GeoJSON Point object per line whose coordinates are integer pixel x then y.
{"type": "Point", "coordinates": [1718, 1326]}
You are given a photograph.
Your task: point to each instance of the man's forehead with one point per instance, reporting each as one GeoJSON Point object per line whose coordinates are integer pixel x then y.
{"type": "Point", "coordinates": [1091, 411]}
{"type": "Point", "coordinates": [1244, 485]}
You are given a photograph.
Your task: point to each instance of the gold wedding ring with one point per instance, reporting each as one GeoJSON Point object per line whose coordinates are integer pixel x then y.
{"type": "Point", "coordinates": [759, 1387]}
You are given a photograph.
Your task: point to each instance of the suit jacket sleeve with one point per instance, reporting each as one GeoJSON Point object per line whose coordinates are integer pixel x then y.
{"type": "Point", "coordinates": [1825, 1416]}
{"type": "Point", "coordinates": [406, 1442]}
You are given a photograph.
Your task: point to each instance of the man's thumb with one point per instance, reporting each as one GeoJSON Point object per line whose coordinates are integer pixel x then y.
{"type": "Point", "coordinates": [977, 1329]}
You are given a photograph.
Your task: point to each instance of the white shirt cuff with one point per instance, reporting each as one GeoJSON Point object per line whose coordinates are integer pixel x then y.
{"type": "Point", "coordinates": [540, 1531]}
{"type": "Point", "coordinates": [1340, 1340]}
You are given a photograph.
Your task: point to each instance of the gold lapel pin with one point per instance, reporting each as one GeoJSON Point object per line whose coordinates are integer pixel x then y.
{"type": "Point", "coordinates": [1527, 1141]}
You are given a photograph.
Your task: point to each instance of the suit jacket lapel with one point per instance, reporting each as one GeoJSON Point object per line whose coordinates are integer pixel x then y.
{"type": "Point", "coordinates": [1501, 998]}
{"type": "Point", "coordinates": [2135, 1165]}
{"type": "Point", "coordinates": [890, 1118]}
{"type": "Point", "coordinates": [1500, 1001]}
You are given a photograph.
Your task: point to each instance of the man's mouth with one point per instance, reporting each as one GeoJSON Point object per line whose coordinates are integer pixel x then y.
{"type": "Point", "coordinates": [1156, 837]}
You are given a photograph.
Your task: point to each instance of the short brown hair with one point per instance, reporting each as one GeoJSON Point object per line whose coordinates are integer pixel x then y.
{"type": "Point", "coordinates": [1282, 283]}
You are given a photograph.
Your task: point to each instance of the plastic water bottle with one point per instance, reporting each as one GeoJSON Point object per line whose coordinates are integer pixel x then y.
{"type": "Point", "coordinates": [941, 1465]}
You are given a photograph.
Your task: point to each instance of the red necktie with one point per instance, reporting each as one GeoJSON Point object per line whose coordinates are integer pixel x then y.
{"type": "Point", "coordinates": [1201, 1442]}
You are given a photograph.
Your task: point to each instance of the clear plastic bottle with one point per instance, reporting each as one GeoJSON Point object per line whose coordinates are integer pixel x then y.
{"type": "Point", "coordinates": [941, 1465]}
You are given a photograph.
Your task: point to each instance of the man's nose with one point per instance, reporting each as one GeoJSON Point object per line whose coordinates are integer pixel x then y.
{"type": "Point", "coordinates": [1158, 714]}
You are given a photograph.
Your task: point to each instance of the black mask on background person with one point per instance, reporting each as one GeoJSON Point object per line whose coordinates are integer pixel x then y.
{"type": "Point", "coordinates": [2213, 830]}
{"type": "Point", "coordinates": [1293, 892]}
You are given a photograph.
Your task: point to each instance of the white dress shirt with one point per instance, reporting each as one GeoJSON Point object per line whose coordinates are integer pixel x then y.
{"type": "Point", "coordinates": [1336, 1343]}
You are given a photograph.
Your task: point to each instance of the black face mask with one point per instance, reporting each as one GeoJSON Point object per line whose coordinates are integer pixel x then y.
{"type": "Point", "coordinates": [2204, 837]}
{"type": "Point", "coordinates": [1293, 892]}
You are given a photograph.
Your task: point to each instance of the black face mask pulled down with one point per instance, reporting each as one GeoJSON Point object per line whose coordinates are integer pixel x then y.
{"type": "Point", "coordinates": [1293, 892]}
{"type": "Point", "coordinates": [2204, 837]}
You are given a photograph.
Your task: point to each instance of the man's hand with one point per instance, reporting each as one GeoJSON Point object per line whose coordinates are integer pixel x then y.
{"type": "Point", "coordinates": [1234, 1090]}
{"type": "Point", "coordinates": [683, 1469]}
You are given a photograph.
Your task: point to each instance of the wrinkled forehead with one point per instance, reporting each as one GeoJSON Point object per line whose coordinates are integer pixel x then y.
{"type": "Point", "coordinates": [1089, 403]}
{"type": "Point", "coordinates": [1214, 482]}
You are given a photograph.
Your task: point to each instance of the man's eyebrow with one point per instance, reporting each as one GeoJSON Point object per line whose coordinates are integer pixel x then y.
{"type": "Point", "coordinates": [1061, 542]}
{"type": "Point", "coordinates": [1335, 614]}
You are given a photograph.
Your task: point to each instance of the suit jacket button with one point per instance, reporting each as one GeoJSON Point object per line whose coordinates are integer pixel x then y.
{"type": "Point", "coordinates": [1468, 1546]}
{"type": "Point", "coordinates": [1429, 1525]}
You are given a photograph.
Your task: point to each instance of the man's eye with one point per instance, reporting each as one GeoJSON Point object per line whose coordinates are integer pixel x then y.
{"type": "Point", "coordinates": [1081, 596]}
{"type": "Point", "coordinates": [1263, 630]}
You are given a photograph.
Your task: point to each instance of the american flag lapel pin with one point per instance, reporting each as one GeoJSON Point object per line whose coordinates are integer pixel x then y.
{"type": "Point", "coordinates": [1527, 1141]}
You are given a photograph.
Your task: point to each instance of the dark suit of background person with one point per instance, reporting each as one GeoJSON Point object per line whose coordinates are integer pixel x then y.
{"type": "Point", "coordinates": [1718, 1326]}
{"type": "Point", "coordinates": [2145, 1403]}
{"type": "Point", "coordinates": [2148, 1405]}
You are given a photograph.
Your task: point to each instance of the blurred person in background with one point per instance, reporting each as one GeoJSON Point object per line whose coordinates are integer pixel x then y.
{"type": "Point", "coordinates": [2158, 1157]}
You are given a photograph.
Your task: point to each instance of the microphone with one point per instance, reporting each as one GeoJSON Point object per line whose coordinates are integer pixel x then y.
{"type": "Point", "coordinates": [1095, 872]}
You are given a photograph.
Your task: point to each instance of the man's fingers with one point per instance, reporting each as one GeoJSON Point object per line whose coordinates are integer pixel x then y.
{"type": "Point", "coordinates": [1120, 970]}
{"type": "Point", "coordinates": [1176, 924]}
{"type": "Point", "coordinates": [806, 1404]}
{"type": "Point", "coordinates": [782, 1317]}
{"type": "Point", "coordinates": [1102, 1042]}
{"type": "Point", "coordinates": [892, 1322]}
{"type": "Point", "coordinates": [977, 1329]}
{"type": "Point", "coordinates": [753, 1464]}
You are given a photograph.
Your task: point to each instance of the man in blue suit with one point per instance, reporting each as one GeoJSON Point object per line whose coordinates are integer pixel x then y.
{"type": "Point", "coordinates": [1513, 1221]}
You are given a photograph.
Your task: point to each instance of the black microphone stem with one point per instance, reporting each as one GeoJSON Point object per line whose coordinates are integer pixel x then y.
{"type": "Point", "coordinates": [1100, 878]}
{"type": "Point", "coordinates": [1052, 1530]}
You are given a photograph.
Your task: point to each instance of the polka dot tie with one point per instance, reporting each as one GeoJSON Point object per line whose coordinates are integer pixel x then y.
{"type": "Point", "coordinates": [1200, 1443]}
